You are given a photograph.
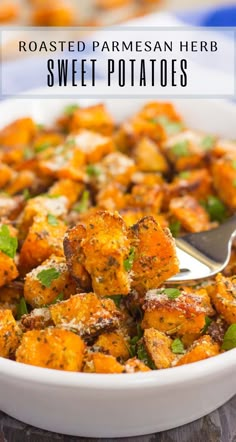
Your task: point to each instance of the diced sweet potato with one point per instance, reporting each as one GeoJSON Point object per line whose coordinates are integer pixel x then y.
{"type": "Point", "coordinates": [192, 216]}
{"type": "Point", "coordinates": [201, 349]}
{"type": "Point", "coordinates": [105, 247]}
{"type": "Point", "coordinates": [149, 158]}
{"type": "Point", "coordinates": [93, 145]}
{"type": "Point", "coordinates": [22, 180]}
{"type": "Point", "coordinates": [68, 188]}
{"type": "Point", "coordinates": [86, 314]}
{"type": "Point", "coordinates": [100, 363]}
{"type": "Point", "coordinates": [134, 365]}
{"type": "Point", "coordinates": [111, 197]}
{"type": "Point", "coordinates": [9, 11]}
{"type": "Point", "coordinates": [158, 346]}
{"type": "Point", "coordinates": [53, 14]}
{"type": "Point", "coordinates": [118, 167]}
{"type": "Point", "coordinates": [114, 344]}
{"type": "Point", "coordinates": [155, 257]}
{"type": "Point", "coordinates": [42, 241]}
{"type": "Point", "coordinates": [6, 174]}
{"type": "Point", "coordinates": [37, 294]}
{"type": "Point", "coordinates": [8, 269]}
{"type": "Point", "coordinates": [9, 334]}
{"type": "Point", "coordinates": [222, 294]}
{"type": "Point", "coordinates": [224, 179]}
{"type": "Point", "coordinates": [20, 132]}
{"type": "Point", "coordinates": [95, 118]}
{"type": "Point", "coordinates": [147, 198]}
{"type": "Point", "coordinates": [184, 314]}
{"type": "Point", "coordinates": [38, 319]}
{"type": "Point", "coordinates": [10, 208]}
{"type": "Point", "coordinates": [52, 348]}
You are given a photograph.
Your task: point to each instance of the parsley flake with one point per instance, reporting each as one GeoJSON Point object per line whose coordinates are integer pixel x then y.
{"type": "Point", "coordinates": [70, 109]}
{"type": "Point", "coordinates": [83, 205]}
{"type": "Point", "coordinates": [8, 243]}
{"type": "Point", "coordinates": [177, 346]}
{"type": "Point", "coordinates": [41, 147]}
{"type": "Point", "coordinates": [28, 154]}
{"type": "Point", "coordinates": [26, 194]}
{"type": "Point", "coordinates": [234, 182]}
{"type": "Point", "coordinates": [117, 299]}
{"type": "Point", "coordinates": [234, 164]}
{"type": "Point", "coordinates": [184, 175]}
{"type": "Point", "coordinates": [180, 149]}
{"type": "Point", "coordinates": [93, 170]}
{"type": "Point", "coordinates": [52, 220]}
{"type": "Point", "coordinates": [21, 309]}
{"type": "Point", "coordinates": [208, 322]}
{"type": "Point", "coordinates": [215, 208]}
{"type": "Point", "coordinates": [47, 276]}
{"type": "Point", "coordinates": [128, 263]}
{"type": "Point", "coordinates": [171, 293]}
{"type": "Point", "coordinates": [175, 227]}
{"type": "Point", "coordinates": [143, 356]}
{"type": "Point", "coordinates": [171, 127]}
{"type": "Point", "coordinates": [208, 142]}
{"type": "Point", "coordinates": [229, 341]}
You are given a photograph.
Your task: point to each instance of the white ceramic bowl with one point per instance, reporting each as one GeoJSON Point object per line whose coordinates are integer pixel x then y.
{"type": "Point", "coordinates": [95, 405]}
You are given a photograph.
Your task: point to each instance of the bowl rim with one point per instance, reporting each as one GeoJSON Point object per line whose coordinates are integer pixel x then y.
{"type": "Point", "coordinates": [196, 371]}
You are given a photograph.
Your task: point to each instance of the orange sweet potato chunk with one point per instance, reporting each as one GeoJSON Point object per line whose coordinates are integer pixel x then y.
{"type": "Point", "coordinates": [9, 334]}
{"type": "Point", "coordinates": [192, 216]}
{"type": "Point", "coordinates": [52, 348]}
{"type": "Point", "coordinates": [222, 295]}
{"type": "Point", "coordinates": [113, 343]}
{"type": "Point", "coordinates": [158, 346]}
{"type": "Point", "coordinates": [201, 349]}
{"type": "Point", "coordinates": [155, 257]}
{"type": "Point", "coordinates": [100, 363]}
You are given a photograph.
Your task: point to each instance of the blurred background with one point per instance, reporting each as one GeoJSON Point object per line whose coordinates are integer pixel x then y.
{"type": "Point", "coordinates": [89, 12]}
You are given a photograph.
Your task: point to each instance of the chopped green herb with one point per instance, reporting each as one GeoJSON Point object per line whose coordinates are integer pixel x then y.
{"type": "Point", "coordinates": [41, 147]}
{"type": "Point", "coordinates": [175, 227]}
{"type": "Point", "coordinates": [215, 208]}
{"type": "Point", "coordinates": [28, 154]}
{"type": "Point", "coordinates": [229, 341]}
{"type": "Point", "coordinates": [70, 142]}
{"type": "Point", "coordinates": [26, 194]}
{"type": "Point", "coordinates": [128, 263]}
{"type": "Point", "coordinates": [83, 205]}
{"type": "Point", "coordinates": [8, 243]}
{"type": "Point", "coordinates": [40, 126]}
{"type": "Point", "coordinates": [47, 276]}
{"type": "Point", "coordinates": [172, 293]}
{"type": "Point", "coordinates": [180, 149]}
{"type": "Point", "coordinates": [52, 220]}
{"type": "Point", "coordinates": [185, 174]}
{"type": "Point", "coordinates": [177, 346]}
{"type": "Point", "coordinates": [93, 170]}
{"type": "Point", "coordinates": [208, 322]}
{"type": "Point", "coordinates": [143, 356]}
{"type": "Point", "coordinates": [234, 164]}
{"type": "Point", "coordinates": [234, 182]}
{"type": "Point", "coordinates": [208, 142]}
{"type": "Point", "coordinates": [59, 298]}
{"type": "Point", "coordinates": [21, 308]}
{"type": "Point", "coordinates": [171, 127]}
{"type": "Point", "coordinates": [117, 299]}
{"type": "Point", "coordinates": [70, 109]}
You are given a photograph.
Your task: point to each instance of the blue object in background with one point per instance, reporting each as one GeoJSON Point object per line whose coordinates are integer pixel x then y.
{"type": "Point", "coordinates": [221, 16]}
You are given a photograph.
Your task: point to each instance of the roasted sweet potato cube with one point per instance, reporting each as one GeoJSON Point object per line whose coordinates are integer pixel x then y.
{"type": "Point", "coordinates": [24, 179]}
{"type": "Point", "coordinates": [37, 319]}
{"type": "Point", "coordinates": [42, 241]}
{"type": "Point", "coordinates": [10, 295]}
{"type": "Point", "coordinates": [6, 174]}
{"type": "Point", "coordinates": [41, 206]}
{"type": "Point", "coordinates": [201, 349]}
{"type": "Point", "coordinates": [158, 346]}
{"type": "Point", "coordinates": [46, 139]}
{"type": "Point", "coordinates": [8, 269]}
{"type": "Point", "coordinates": [53, 14]}
{"type": "Point", "coordinates": [183, 314]}
{"type": "Point", "coordinates": [95, 118]}
{"type": "Point", "coordinates": [184, 150]}
{"type": "Point", "coordinates": [9, 334]}
{"type": "Point", "coordinates": [111, 197]}
{"type": "Point", "coordinates": [9, 11]}
{"type": "Point", "coordinates": [100, 363]}
{"type": "Point", "coordinates": [10, 207]}
{"type": "Point", "coordinates": [45, 283]}
{"type": "Point", "coordinates": [224, 179]}
{"type": "Point", "coordinates": [19, 132]}
{"type": "Point", "coordinates": [189, 212]}
{"type": "Point", "coordinates": [155, 257]}
{"type": "Point", "coordinates": [108, 4]}
{"type": "Point", "coordinates": [86, 314]}
{"type": "Point", "coordinates": [118, 167]}
{"type": "Point", "coordinates": [67, 188]}
{"type": "Point", "coordinates": [52, 348]}
{"type": "Point", "coordinates": [114, 344]}
{"type": "Point", "coordinates": [75, 256]}
{"type": "Point", "coordinates": [134, 365]}
{"type": "Point", "coordinates": [148, 198]}
{"type": "Point", "coordinates": [149, 158]}
{"type": "Point", "coordinates": [106, 247]}
{"type": "Point", "coordinates": [93, 145]}
{"type": "Point", "coordinates": [223, 147]}
{"type": "Point", "coordinates": [222, 294]}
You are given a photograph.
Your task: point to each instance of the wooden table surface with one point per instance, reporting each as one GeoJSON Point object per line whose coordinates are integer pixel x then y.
{"type": "Point", "coordinates": [219, 426]}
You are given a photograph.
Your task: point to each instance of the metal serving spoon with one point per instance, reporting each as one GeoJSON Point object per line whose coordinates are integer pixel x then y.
{"type": "Point", "coordinates": [204, 254]}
